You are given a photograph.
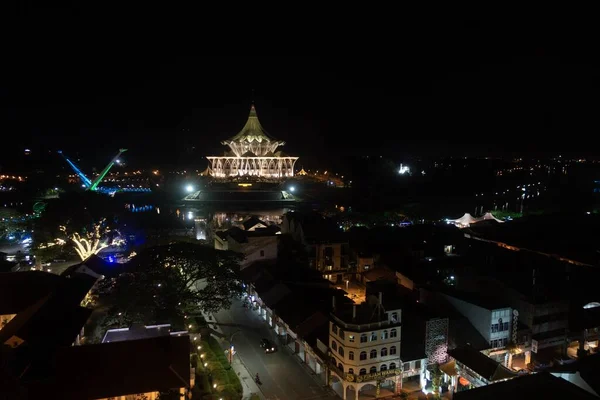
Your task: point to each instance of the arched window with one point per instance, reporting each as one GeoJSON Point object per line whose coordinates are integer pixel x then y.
{"type": "Point", "coordinates": [334, 328]}
{"type": "Point", "coordinates": [351, 370]}
{"type": "Point", "coordinates": [394, 317]}
{"type": "Point", "coordinates": [393, 333]}
{"type": "Point", "coordinates": [392, 365]}
{"type": "Point", "coordinates": [341, 333]}
{"type": "Point", "coordinates": [383, 368]}
{"type": "Point", "coordinates": [363, 371]}
{"type": "Point", "coordinates": [373, 370]}
{"type": "Point", "coordinates": [392, 350]}
{"type": "Point", "coordinates": [384, 335]}
{"type": "Point", "coordinates": [333, 345]}
{"type": "Point", "coordinates": [384, 352]}
{"type": "Point", "coordinates": [341, 367]}
{"type": "Point", "coordinates": [363, 338]}
{"type": "Point", "coordinates": [373, 336]}
{"type": "Point", "coordinates": [351, 355]}
{"type": "Point", "coordinates": [363, 355]}
{"type": "Point", "coordinates": [341, 351]}
{"type": "Point", "coordinates": [373, 354]}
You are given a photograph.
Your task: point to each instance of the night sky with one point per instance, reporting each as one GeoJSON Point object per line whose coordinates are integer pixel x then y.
{"type": "Point", "coordinates": [475, 89]}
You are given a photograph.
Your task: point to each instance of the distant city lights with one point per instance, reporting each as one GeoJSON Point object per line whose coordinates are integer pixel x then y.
{"type": "Point", "coordinates": [404, 169]}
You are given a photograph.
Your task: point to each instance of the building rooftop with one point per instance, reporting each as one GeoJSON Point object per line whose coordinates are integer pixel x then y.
{"type": "Point", "coordinates": [542, 385]}
{"type": "Point", "coordinates": [137, 332]}
{"type": "Point", "coordinates": [114, 369]}
{"type": "Point", "coordinates": [54, 320]}
{"type": "Point", "coordinates": [587, 366]}
{"type": "Point", "coordinates": [252, 131]}
{"type": "Point", "coordinates": [487, 300]}
{"type": "Point", "coordinates": [480, 363]}
{"type": "Point", "coordinates": [19, 290]}
{"type": "Point", "coordinates": [364, 315]}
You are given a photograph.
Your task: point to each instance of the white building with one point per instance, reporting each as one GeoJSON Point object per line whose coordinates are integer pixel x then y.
{"type": "Point", "coordinates": [252, 152]}
{"type": "Point", "coordinates": [365, 350]}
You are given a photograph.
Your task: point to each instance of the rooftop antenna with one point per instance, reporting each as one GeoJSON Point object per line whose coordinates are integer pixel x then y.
{"type": "Point", "coordinates": [379, 307]}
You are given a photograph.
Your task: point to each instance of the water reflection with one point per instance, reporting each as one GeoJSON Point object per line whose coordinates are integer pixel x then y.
{"type": "Point", "coordinates": [207, 222]}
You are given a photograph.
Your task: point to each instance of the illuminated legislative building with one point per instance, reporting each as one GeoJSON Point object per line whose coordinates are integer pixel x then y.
{"type": "Point", "coordinates": [252, 152]}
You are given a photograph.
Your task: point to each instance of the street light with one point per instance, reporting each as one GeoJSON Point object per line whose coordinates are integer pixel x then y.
{"type": "Point", "coordinates": [189, 188]}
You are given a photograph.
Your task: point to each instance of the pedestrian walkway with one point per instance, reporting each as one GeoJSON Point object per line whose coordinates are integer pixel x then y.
{"type": "Point", "coordinates": [249, 387]}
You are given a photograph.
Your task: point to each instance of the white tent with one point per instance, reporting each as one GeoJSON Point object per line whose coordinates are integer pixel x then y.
{"type": "Point", "coordinates": [488, 216]}
{"type": "Point", "coordinates": [464, 221]}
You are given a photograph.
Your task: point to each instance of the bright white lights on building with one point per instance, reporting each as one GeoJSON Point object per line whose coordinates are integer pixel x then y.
{"type": "Point", "coordinates": [189, 188]}
{"type": "Point", "coordinates": [403, 169]}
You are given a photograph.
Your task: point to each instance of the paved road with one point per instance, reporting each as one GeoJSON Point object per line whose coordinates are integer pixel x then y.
{"type": "Point", "coordinates": [282, 376]}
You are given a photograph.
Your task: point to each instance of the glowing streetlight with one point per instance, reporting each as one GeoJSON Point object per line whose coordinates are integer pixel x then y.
{"type": "Point", "coordinates": [189, 188]}
{"type": "Point", "coordinates": [292, 189]}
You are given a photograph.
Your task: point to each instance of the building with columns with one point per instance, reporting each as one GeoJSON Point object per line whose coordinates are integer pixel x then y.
{"type": "Point", "coordinates": [252, 152]}
{"type": "Point", "coordinates": [364, 350]}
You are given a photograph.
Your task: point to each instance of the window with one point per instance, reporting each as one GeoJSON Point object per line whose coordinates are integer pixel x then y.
{"type": "Point", "coordinates": [351, 371]}
{"type": "Point", "coordinates": [494, 328]}
{"type": "Point", "coordinates": [363, 371]}
{"type": "Point", "coordinates": [373, 354]}
{"type": "Point", "coordinates": [351, 338]}
{"type": "Point", "coordinates": [506, 326]}
{"type": "Point", "coordinates": [363, 355]}
{"type": "Point", "coordinates": [373, 370]}
{"type": "Point", "coordinates": [341, 367]}
{"type": "Point", "coordinates": [363, 338]}
{"type": "Point", "coordinates": [494, 343]}
{"type": "Point", "coordinates": [406, 366]}
{"type": "Point", "coordinates": [333, 345]}
{"type": "Point", "coordinates": [373, 336]}
{"type": "Point", "coordinates": [393, 333]}
{"type": "Point", "coordinates": [394, 317]}
{"type": "Point", "coordinates": [418, 364]}
{"type": "Point", "coordinates": [500, 325]}
{"type": "Point", "coordinates": [351, 355]}
{"type": "Point", "coordinates": [384, 352]}
{"type": "Point", "coordinates": [383, 368]}
{"type": "Point", "coordinates": [392, 350]}
{"type": "Point", "coordinates": [384, 334]}
{"type": "Point", "coordinates": [504, 341]}
{"type": "Point", "coordinates": [334, 328]}
{"type": "Point", "coordinates": [341, 351]}
{"type": "Point", "coordinates": [262, 253]}
{"type": "Point", "coordinates": [341, 333]}
{"type": "Point", "coordinates": [392, 365]}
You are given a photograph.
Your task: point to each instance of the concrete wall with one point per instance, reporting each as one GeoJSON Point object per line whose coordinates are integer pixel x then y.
{"type": "Point", "coordinates": [479, 317]}
{"type": "Point", "coordinates": [268, 249]}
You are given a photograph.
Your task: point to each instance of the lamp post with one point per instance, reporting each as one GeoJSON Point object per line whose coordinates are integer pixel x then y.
{"type": "Point", "coordinates": [231, 347]}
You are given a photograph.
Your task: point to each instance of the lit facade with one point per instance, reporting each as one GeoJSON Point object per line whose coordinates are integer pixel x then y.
{"type": "Point", "coordinates": [365, 355]}
{"type": "Point", "coordinates": [252, 152]}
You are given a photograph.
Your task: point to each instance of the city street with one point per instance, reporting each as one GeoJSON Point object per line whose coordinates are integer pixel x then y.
{"type": "Point", "coordinates": [282, 375]}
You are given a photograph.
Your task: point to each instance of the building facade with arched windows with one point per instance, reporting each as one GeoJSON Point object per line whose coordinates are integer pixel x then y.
{"type": "Point", "coordinates": [364, 351]}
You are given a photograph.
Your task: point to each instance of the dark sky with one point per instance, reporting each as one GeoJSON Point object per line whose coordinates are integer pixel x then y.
{"type": "Point", "coordinates": [471, 88]}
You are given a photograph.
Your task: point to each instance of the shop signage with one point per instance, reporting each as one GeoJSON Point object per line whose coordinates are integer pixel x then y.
{"type": "Point", "coordinates": [373, 376]}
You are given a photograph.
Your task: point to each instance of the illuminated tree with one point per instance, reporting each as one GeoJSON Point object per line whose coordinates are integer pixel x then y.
{"type": "Point", "coordinates": [93, 242]}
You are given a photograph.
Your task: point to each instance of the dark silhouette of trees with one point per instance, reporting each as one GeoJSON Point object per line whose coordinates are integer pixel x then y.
{"type": "Point", "coordinates": [166, 283]}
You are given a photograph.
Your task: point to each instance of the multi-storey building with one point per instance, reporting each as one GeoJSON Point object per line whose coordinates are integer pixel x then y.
{"type": "Point", "coordinates": [364, 349]}
{"type": "Point", "coordinates": [325, 243]}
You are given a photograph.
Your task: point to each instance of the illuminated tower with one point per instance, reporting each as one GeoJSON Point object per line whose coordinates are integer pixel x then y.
{"type": "Point", "coordinates": [252, 152]}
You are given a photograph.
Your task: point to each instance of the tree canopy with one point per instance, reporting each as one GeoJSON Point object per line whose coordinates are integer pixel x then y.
{"type": "Point", "coordinates": [164, 283]}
